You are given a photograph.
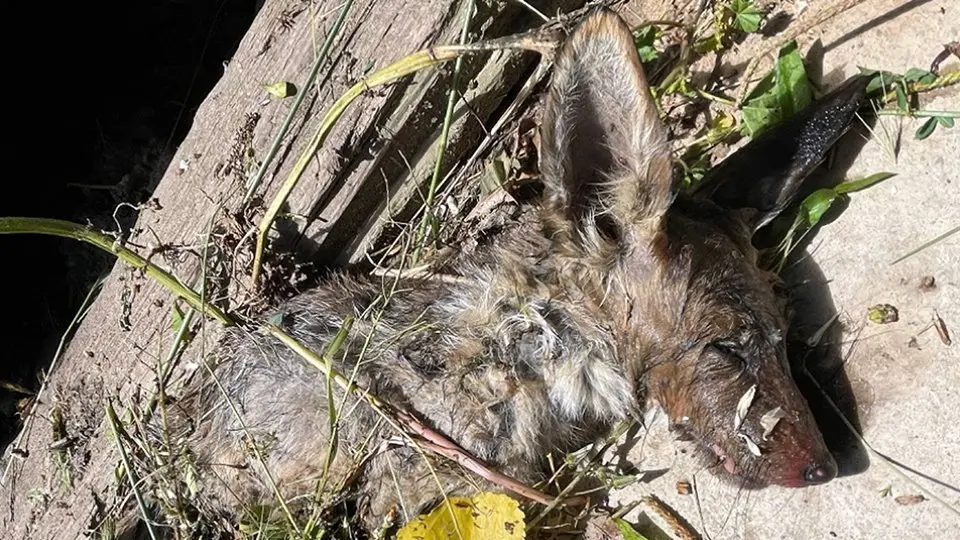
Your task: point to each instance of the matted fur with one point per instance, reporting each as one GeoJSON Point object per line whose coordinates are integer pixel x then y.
{"type": "Point", "coordinates": [622, 294]}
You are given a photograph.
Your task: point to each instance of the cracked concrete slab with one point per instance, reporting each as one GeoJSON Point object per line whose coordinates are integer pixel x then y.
{"type": "Point", "coordinates": [902, 382]}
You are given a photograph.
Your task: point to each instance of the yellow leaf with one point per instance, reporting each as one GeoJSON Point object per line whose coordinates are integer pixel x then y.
{"type": "Point", "coordinates": [280, 89]}
{"type": "Point", "coordinates": [486, 516]}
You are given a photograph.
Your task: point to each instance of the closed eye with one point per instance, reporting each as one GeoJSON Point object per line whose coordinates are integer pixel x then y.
{"type": "Point", "coordinates": [723, 358]}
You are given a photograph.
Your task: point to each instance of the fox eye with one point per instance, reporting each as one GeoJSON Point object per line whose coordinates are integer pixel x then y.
{"type": "Point", "coordinates": [729, 350]}
{"type": "Point", "coordinates": [726, 346]}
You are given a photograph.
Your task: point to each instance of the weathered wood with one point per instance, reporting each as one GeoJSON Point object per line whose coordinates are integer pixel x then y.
{"type": "Point", "coordinates": [344, 186]}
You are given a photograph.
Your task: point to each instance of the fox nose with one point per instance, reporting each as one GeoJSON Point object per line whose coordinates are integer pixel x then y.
{"type": "Point", "coordinates": [819, 473]}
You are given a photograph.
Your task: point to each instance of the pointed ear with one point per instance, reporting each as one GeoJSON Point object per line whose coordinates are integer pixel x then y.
{"type": "Point", "coordinates": [604, 153]}
{"type": "Point", "coordinates": [765, 174]}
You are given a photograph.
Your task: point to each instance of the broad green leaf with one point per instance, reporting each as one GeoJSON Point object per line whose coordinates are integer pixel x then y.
{"type": "Point", "coordinates": [793, 86]}
{"type": "Point", "coordinates": [918, 75]}
{"type": "Point", "coordinates": [759, 111]}
{"type": "Point", "coordinates": [863, 183]}
{"type": "Point", "coordinates": [926, 129]}
{"type": "Point", "coordinates": [486, 516]}
{"type": "Point", "coordinates": [627, 531]}
{"type": "Point", "coordinates": [780, 94]}
{"type": "Point", "coordinates": [945, 121]}
{"type": "Point", "coordinates": [746, 15]}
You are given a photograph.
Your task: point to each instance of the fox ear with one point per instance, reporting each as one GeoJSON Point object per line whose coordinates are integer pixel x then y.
{"type": "Point", "coordinates": [604, 153]}
{"type": "Point", "coordinates": [766, 174]}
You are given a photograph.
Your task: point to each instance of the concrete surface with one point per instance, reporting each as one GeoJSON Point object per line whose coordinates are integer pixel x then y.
{"type": "Point", "coordinates": [907, 397]}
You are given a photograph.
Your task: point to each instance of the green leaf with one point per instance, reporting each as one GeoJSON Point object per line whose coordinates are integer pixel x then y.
{"type": "Point", "coordinates": [709, 44]}
{"type": "Point", "coordinates": [816, 205]}
{"type": "Point", "coordinates": [177, 315]}
{"type": "Point", "coordinates": [926, 129]}
{"type": "Point", "coordinates": [863, 183]}
{"type": "Point", "coordinates": [878, 79]}
{"type": "Point", "coordinates": [746, 15]}
{"type": "Point", "coordinates": [627, 531]}
{"type": "Point", "coordinates": [902, 102]}
{"type": "Point", "coordinates": [644, 39]}
{"type": "Point", "coordinates": [496, 174]}
{"type": "Point", "coordinates": [780, 94]}
{"type": "Point", "coordinates": [918, 75]}
{"type": "Point", "coordinates": [883, 80]}
{"type": "Point", "coordinates": [945, 121]}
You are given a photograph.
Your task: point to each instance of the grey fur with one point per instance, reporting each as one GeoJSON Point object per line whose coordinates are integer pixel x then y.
{"type": "Point", "coordinates": [621, 294]}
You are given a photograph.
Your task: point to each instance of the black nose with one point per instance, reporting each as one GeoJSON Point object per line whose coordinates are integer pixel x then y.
{"type": "Point", "coordinates": [816, 473]}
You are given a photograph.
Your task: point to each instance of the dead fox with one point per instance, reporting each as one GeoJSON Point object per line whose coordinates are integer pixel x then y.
{"type": "Point", "coordinates": [623, 293]}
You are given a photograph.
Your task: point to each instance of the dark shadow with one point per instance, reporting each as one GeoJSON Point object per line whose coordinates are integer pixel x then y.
{"type": "Point", "coordinates": [97, 113]}
{"type": "Point", "coordinates": [816, 337]}
{"type": "Point", "coordinates": [819, 369]}
{"type": "Point", "coordinates": [778, 23]}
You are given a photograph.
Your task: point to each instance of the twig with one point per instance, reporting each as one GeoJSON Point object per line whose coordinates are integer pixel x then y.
{"type": "Point", "coordinates": [927, 244]}
{"type": "Point", "coordinates": [884, 459]}
{"type": "Point", "coordinates": [544, 42]}
{"type": "Point", "coordinates": [595, 453]}
{"type": "Point", "coordinates": [919, 113]}
{"type": "Point", "coordinates": [942, 81]}
{"type": "Point", "coordinates": [28, 421]}
{"type": "Point", "coordinates": [680, 527]}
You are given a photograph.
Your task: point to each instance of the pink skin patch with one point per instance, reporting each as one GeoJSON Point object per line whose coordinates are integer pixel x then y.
{"type": "Point", "coordinates": [727, 461]}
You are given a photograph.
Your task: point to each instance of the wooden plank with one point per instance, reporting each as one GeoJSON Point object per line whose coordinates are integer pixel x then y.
{"type": "Point", "coordinates": [114, 353]}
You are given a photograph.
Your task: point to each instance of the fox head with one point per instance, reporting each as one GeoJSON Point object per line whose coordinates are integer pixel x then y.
{"type": "Point", "coordinates": [699, 326]}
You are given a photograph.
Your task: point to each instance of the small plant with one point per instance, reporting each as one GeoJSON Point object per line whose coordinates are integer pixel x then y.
{"type": "Point", "coordinates": [645, 39]}
{"type": "Point", "coordinates": [815, 206]}
{"type": "Point", "coordinates": [746, 15]}
{"type": "Point", "coordinates": [901, 88]}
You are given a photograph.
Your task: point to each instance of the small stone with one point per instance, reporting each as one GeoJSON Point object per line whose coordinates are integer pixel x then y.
{"type": "Point", "coordinates": [909, 499]}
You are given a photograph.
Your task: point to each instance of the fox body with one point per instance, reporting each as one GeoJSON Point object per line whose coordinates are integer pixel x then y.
{"type": "Point", "coordinates": [620, 294]}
